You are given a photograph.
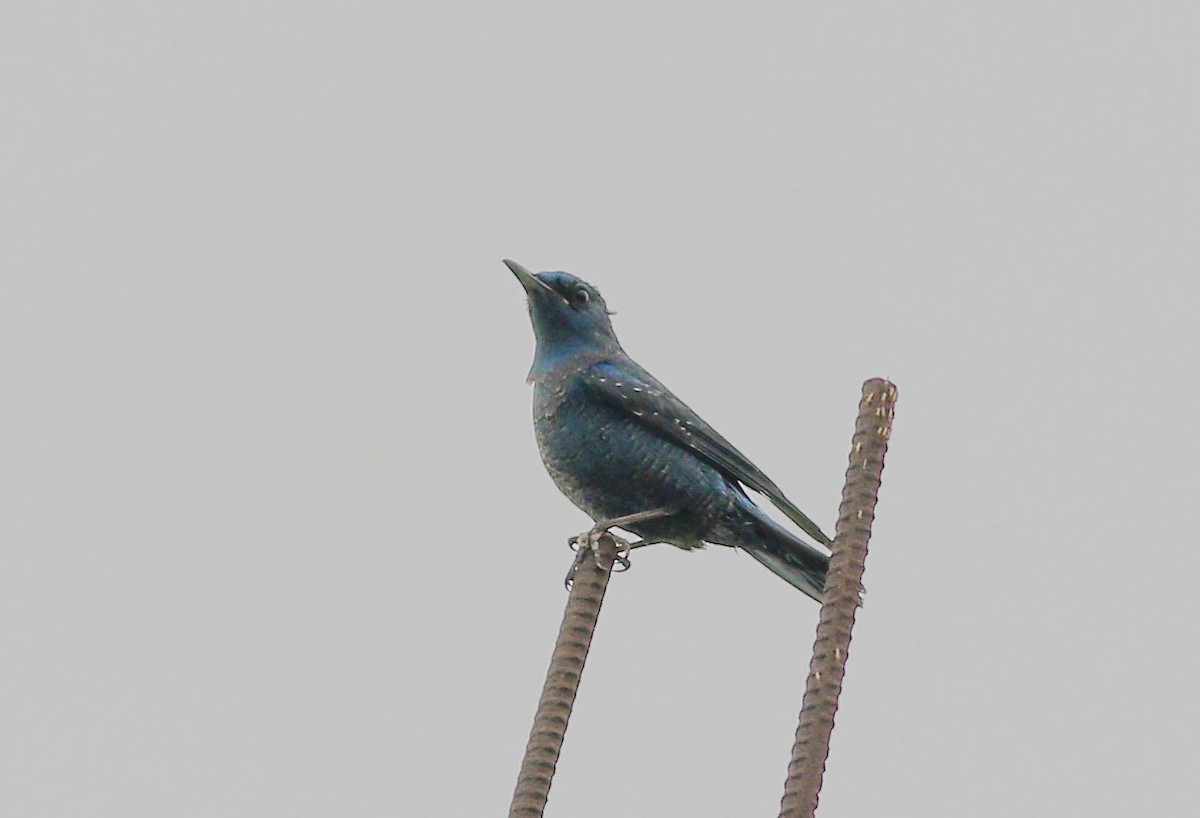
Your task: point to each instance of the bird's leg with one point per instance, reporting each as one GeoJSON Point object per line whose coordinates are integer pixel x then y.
{"type": "Point", "coordinates": [630, 519]}
{"type": "Point", "coordinates": [592, 535]}
{"type": "Point", "coordinates": [590, 539]}
{"type": "Point", "coordinates": [639, 517]}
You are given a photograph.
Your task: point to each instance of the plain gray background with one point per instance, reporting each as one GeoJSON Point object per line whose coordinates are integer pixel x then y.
{"type": "Point", "coordinates": [276, 539]}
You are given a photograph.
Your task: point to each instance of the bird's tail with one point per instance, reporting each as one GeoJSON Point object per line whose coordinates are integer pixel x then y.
{"type": "Point", "coordinates": [801, 564]}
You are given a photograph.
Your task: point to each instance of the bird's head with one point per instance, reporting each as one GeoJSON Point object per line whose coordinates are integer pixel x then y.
{"type": "Point", "coordinates": [570, 320]}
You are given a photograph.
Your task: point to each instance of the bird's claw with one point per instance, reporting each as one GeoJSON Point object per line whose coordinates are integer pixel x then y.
{"type": "Point", "coordinates": [622, 556]}
{"type": "Point", "coordinates": [620, 564]}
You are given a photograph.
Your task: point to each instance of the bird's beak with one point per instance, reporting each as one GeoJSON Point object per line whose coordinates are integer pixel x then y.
{"type": "Point", "coordinates": [532, 284]}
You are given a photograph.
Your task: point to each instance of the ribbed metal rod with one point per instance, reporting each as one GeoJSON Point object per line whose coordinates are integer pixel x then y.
{"type": "Point", "coordinates": [562, 681]}
{"type": "Point", "coordinates": [842, 599]}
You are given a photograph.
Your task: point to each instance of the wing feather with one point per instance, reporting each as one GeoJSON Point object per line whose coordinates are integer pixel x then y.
{"type": "Point", "coordinates": [637, 392]}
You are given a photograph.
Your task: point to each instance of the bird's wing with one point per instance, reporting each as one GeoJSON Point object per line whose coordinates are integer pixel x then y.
{"type": "Point", "coordinates": [635, 391]}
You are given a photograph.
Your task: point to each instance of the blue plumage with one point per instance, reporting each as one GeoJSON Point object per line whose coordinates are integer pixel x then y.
{"type": "Point", "coordinates": [618, 443]}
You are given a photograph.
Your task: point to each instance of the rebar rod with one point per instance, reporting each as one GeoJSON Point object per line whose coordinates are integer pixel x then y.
{"type": "Point", "coordinates": [589, 582]}
{"type": "Point", "coordinates": [843, 589]}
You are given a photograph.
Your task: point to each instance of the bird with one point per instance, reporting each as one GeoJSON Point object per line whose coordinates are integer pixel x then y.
{"type": "Point", "coordinates": [631, 455]}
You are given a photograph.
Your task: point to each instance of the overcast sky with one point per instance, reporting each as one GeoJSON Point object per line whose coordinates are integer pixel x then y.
{"type": "Point", "coordinates": [276, 540]}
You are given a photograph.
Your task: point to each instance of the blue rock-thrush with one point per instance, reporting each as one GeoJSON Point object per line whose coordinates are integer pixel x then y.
{"type": "Point", "coordinates": [632, 455]}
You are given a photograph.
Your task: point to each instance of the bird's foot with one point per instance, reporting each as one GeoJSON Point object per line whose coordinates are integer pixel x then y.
{"type": "Point", "coordinates": [587, 545]}
{"type": "Point", "coordinates": [589, 541]}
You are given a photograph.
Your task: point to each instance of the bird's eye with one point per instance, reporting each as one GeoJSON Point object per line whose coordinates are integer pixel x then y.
{"type": "Point", "coordinates": [579, 297]}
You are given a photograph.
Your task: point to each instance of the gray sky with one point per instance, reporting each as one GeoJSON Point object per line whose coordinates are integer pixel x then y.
{"type": "Point", "coordinates": [276, 539]}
